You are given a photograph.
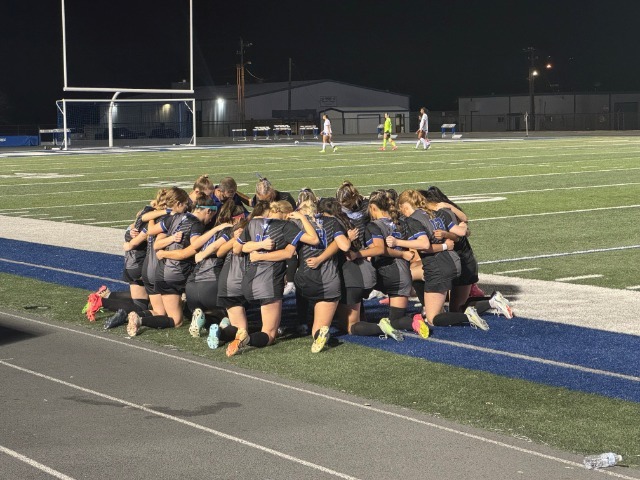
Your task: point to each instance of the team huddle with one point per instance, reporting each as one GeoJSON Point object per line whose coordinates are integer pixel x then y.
{"type": "Point", "coordinates": [203, 254]}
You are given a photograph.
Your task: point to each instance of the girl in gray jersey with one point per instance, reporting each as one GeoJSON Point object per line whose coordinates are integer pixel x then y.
{"type": "Point", "coordinates": [392, 264]}
{"type": "Point", "coordinates": [268, 241]}
{"type": "Point", "coordinates": [318, 276]}
{"type": "Point", "coordinates": [441, 265]}
{"type": "Point", "coordinates": [176, 233]}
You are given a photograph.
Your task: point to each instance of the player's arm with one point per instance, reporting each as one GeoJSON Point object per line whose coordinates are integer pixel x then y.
{"type": "Point", "coordinates": [419, 243]}
{"type": "Point", "coordinates": [277, 256]}
{"type": "Point", "coordinates": [310, 237]}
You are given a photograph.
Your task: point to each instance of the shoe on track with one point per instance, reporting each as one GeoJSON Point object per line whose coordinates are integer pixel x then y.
{"type": "Point", "coordinates": [289, 289]}
{"type": "Point", "coordinates": [389, 331]}
{"type": "Point", "coordinates": [420, 327]}
{"type": "Point", "coordinates": [475, 320]}
{"type": "Point", "coordinates": [241, 341]}
{"type": "Point", "coordinates": [322, 335]}
{"type": "Point", "coordinates": [213, 340]}
{"type": "Point", "coordinates": [197, 322]}
{"type": "Point", "coordinates": [117, 319]}
{"type": "Point", "coordinates": [134, 323]}
{"type": "Point", "coordinates": [501, 305]}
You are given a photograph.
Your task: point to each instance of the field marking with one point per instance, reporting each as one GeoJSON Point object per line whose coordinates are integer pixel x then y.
{"type": "Point", "coordinates": [520, 356]}
{"type": "Point", "coordinates": [517, 271]}
{"type": "Point", "coordinates": [562, 212]}
{"type": "Point", "coordinates": [581, 277]}
{"type": "Point", "coordinates": [326, 397]}
{"type": "Point", "coordinates": [33, 463]}
{"type": "Point", "coordinates": [197, 426]}
{"type": "Point", "coordinates": [63, 270]}
{"type": "Point", "coordinates": [635, 287]}
{"type": "Point", "coordinates": [554, 255]}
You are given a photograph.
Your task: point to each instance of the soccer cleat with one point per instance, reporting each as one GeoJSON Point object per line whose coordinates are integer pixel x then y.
{"type": "Point", "coordinates": [394, 148]}
{"type": "Point", "coordinates": [475, 320]}
{"type": "Point", "coordinates": [476, 291]}
{"type": "Point", "coordinates": [420, 327]}
{"type": "Point", "coordinates": [302, 330]}
{"type": "Point", "coordinates": [241, 341]}
{"type": "Point", "coordinates": [134, 324]}
{"type": "Point", "coordinates": [427, 146]}
{"type": "Point", "coordinates": [289, 289]}
{"type": "Point", "coordinates": [225, 322]}
{"type": "Point", "coordinates": [335, 149]}
{"type": "Point", "coordinates": [375, 294]}
{"type": "Point", "coordinates": [104, 291]}
{"type": "Point", "coordinates": [117, 319]}
{"type": "Point", "coordinates": [93, 306]}
{"type": "Point", "coordinates": [322, 151]}
{"type": "Point", "coordinates": [389, 331]}
{"type": "Point", "coordinates": [322, 335]}
{"type": "Point", "coordinates": [384, 301]}
{"type": "Point", "coordinates": [382, 149]}
{"type": "Point", "coordinates": [197, 322]}
{"type": "Point", "coordinates": [213, 340]}
{"type": "Point", "coordinates": [501, 305]}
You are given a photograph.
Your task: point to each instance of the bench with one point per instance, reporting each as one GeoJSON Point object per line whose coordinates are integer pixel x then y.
{"type": "Point", "coordinates": [57, 139]}
{"type": "Point", "coordinates": [308, 128]}
{"type": "Point", "coordinates": [258, 130]}
{"type": "Point", "coordinates": [238, 134]}
{"type": "Point", "coordinates": [281, 129]}
{"type": "Point", "coordinates": [448, 126]}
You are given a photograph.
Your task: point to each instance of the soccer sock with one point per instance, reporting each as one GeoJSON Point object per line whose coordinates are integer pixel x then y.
{"type": "Point", "coordinates": [418, 142]}
{"type": "Point", "coordinates": [481, 304]}
{"type": "Point", "coordinates": [418, 286]}
{"type": "Point", "coordinates": [259, 339]}
{"type": "Point", "coordinates": [449, 319]}
{"type": "Point", "coordinates": [302, 309]}
{"type": "Point", "coordinates": [158, 321]}
{"type": "Point", "coordinates": [119, 295]}
{"type": "Point", "coordinates": [384, 143]}
{"type": "Point", "coordinates": [115, 304]}
{"type": "Point", "coordinates": [228, 334]}
{"type": "Point", "coordinates": [398, 319]}
{"type": "Point", "coordinates": [140, 305]}
{"type": "Point", "coordinates": [365, 329]}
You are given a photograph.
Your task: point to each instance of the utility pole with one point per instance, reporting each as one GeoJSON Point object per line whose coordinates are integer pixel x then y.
{"type": "Point", "coordinates": [240, 81]}
{"type": "Point", "coordinates": [532, 74]}
{"type": "Point", "coordinates": [289, 97]}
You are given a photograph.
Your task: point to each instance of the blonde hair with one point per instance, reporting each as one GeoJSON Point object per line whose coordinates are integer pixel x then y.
{"type": "Point", "coordinates": [281, 206]}
{"type": "Point", "coordinates": [203, 183]}
{"type": "Point", "coordinates": [307, 202]}
{"type": "Point", "coordinates": [416, 200]}
{"type": "Point", "coordinates": [174, 196]}
{"type": "Point", "coordinates": [265, 189]}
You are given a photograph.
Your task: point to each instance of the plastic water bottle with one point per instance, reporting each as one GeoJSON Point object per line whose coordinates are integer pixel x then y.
{"type": "Point", "coordinates": [601, 461]}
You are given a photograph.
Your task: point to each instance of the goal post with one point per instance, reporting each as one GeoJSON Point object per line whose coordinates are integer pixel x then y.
{"type": "Point", "coordinates": [127, 122]}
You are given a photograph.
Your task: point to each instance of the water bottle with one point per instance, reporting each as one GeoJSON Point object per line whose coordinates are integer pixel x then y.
{"type": "Point", "coordinates": [601, 461]}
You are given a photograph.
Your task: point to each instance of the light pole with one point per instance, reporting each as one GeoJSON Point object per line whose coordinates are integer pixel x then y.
{"type": "Point", "coordinates": [532, 75]}
{"type": "Point", "coordinates": [240, 80]}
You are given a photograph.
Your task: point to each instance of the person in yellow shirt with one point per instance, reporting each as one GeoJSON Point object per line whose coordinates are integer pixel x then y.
{"type": "Point", "coordinates": [387, 134]}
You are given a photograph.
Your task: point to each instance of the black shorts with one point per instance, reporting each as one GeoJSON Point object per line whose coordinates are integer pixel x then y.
{"type": "Point", "coordinates": [440, 271]}
{"type": "Point", "coordinates": [133, 276]}
{"type": "Point", "coordinates": [265, 301]}
{"type": "Point", "coordinates": [354, 295]}
{"type": "Point", "coordinates": [229, 302]}
{"type": "Point", "coordinates": [150, 288]}
{"type": "Point", "coordinates": [469, 271]}
{"type": "Point", "coordinates": [167, 288]}
{"type": "Point", "coordinates": [202, 295]}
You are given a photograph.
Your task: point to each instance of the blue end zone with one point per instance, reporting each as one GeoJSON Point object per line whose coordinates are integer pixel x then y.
{"type": "Point", "coordinates": [577, 347]}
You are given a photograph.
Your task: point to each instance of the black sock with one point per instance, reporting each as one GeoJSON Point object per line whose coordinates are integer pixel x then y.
{"type": "Point", "coordinates": [140, 305]}
{"type": "Point", "coordinates": [259, 339]}
{"type": "Point", "coordinates": [158, 321]}
{"type": "Point", "coordinates": [365, 329]}
{"type": "Point", "coordinates": [228, 334]}
{"type": "Point", "coordinates": [449, 319]}
{"type": "Point", "coordinates": [418, 286]}
{"type": "Point", "coordinates": [402, 323]}
{"type": "Point", "coordinates": [119, 295]}
{"type": "Point", "coordinates": [115, 304]}
{"type": "Point", "coordinates": [480, 305]}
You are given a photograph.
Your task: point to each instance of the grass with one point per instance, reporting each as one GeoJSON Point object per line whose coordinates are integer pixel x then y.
{"type": "Point", "coordinates": [561, 418]}
{"type": "Point", "coordinates": [524, 198]}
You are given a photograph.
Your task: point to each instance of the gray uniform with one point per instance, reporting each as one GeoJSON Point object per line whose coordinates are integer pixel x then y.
{"type": "Point", "coordinates": [393, 274]}
{"type": "Point", "coordinates": [176, 272]}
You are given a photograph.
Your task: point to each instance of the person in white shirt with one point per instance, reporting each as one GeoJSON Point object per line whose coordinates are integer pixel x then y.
{"type": "Point", "coordinates": [423, 130]}
{"type": "Point", "coordinates": [327, 134]}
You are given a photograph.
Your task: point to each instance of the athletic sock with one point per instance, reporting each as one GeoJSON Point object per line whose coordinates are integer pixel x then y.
{"type": "Point", "coordinates": [228, 334]}
{"type": "Point", "coordinates": [418, 286]}
{"type": "Point", "coordinates": [365, 329]}
{"type": "Point", "coordinates": [481, 305]}
{"type": "Point", "coordinates": [402, 323]}
{"type": "Point", "coordinates": [158, 321]}
{"type": "Point", "coordinates": [259, 339]}
{"type": "Point", "coordinates": [449, 319]}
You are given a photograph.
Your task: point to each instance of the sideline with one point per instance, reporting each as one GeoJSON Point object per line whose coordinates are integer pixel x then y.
{"type": "Point", "coordinates": [33, 463]}
{"type": "Point", "coordinates": [289, 387]}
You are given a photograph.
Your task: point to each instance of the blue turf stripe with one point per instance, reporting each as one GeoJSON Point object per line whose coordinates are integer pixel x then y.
{"type": "Point", "coordinates": [611, 352]}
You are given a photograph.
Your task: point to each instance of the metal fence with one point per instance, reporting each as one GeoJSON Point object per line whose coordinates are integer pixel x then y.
{"type": "Point", "coordinates": [546, 122]}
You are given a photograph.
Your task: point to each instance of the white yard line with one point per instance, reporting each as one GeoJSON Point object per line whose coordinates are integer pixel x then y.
{"type": "Point", "coordinates": [516, 271]}
{"type": "Point", "coordinates": [562, 212]}
{"type": "Point", "coordinates": [581, 277]}
{"type": "Point", "coordinates": [31, 462]}
{"type": "Point", "coordinates": [554, 255]}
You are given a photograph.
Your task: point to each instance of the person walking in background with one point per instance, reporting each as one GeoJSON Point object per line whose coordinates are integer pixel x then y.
{"type": "Point", "coordinates": [327, 134]}
{"type": "Point", "coordinates": [386, 136]}
{"type": "Point", "coordinates": [423, 130]}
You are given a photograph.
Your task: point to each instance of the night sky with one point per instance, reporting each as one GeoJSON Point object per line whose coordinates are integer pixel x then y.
{"type": "Point", "coordinates": [434, 51]}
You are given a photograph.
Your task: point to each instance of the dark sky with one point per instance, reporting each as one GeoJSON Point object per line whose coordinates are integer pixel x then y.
{"type": "Point", "coordinates": [435, 51]}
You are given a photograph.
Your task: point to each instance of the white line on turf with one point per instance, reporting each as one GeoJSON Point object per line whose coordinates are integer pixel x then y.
{"type": "Point", "coordinates": [516, 271]}
{"type": "Point", "coordinates": [322, 395]}
{"type": "Point", "coordinates": [528, 215]}
{"type": "Point", "coordinates": [580, 277]}
{"type": "Point", "coordinates": [182, 421]}
{"type": "Point", "coordinates": [63, 270]}
{"type": "Point", "coordinates": [554, 255]}
{"type": "Point", "coordinates": [635, 287]}
{"type": "Point", "coordinates": [34, 464]}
